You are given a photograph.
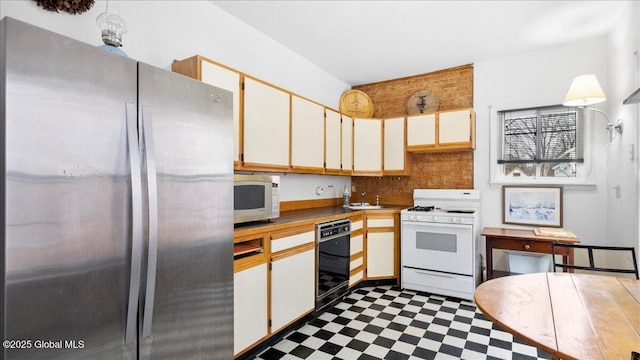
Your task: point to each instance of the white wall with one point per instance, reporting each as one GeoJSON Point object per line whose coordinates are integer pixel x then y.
{"type": "Point", "coordinates": [542, 77]}
{"type": "Point", "coordinates": [623, 226]}
{"type": "Point", "coordinates": [161, 31]}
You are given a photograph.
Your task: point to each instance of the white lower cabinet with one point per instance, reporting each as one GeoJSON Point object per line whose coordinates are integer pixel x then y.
{"type": "Point", "coordinates": [250, 307]}
{"type": "Point", "coordinates": [381, 246]}
{"type": "Point", "coordinates": [292, 288]}
{"type": "Point", "coordinates": [380, 254]}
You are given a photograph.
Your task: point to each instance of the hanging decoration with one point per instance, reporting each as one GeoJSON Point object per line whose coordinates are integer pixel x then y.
{"type": "Point", "coordinates": [71, 6]}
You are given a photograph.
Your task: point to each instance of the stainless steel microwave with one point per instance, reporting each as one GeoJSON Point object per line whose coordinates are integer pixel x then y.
{"type": "Point", "coordinates": [255, 197]}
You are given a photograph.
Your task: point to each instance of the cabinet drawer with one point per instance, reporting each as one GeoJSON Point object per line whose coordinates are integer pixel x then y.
{"type": "Point", "coordinates": [439, 283]}
{"type": "Point", "coordinates": [356, 245]}
{"type": "Point", "coordinates": [287, 242]}
{"type": "Point", "coordinates": [356, 225]}
{"type": "Point", "coordinates": [355, 277]}
{"type": "Point", "coordinates": [355, 263]}
{"type": "Point", "coordinates": [380, 223]}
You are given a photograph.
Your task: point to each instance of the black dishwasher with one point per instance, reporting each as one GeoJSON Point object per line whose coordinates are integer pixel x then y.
{"type": "Point", "coordinates": [332, 251]}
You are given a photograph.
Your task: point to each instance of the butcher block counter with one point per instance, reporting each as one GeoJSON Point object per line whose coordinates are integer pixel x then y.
{"type": "Point", "coordinates": [308, 216]}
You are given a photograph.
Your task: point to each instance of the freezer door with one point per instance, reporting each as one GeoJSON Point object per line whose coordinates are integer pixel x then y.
{"type": "Point", "coordinates": [187, 137]}
{"type": "Point", "coordinates": [66, 186]}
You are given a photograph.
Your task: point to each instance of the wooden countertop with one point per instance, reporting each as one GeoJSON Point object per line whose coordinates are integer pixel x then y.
{"type": "Point", "coordinates": [309, 216]}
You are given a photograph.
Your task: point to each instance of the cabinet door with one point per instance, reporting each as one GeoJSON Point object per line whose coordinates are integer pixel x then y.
{"type": "Point", "coordinates": [292, 288]}
{"type": "Point", "coordinates": [347, 145]}
{"type": "Point", "coordinates": [381, 245]}
{"type": "Point", "coordinates": [421, 130]}
{"type": "Point", "coordinates": [229, 80]}
{"type": "Point", "coordinates": [307, 134]}
{"type": "Point", "coordinates": [380, 254]}
{"type": "Point", "coordinates": [367, 147]}
{"type": "Point", "coordinates": [454, 127]}
{"type": "Point", "coordinates": [266, 125]}
{"type": "Point", "coordinates": [332, 141]}
{"type": "Point", "coordinates": [249, 307]}
{"type": "Point", "coordinates": [394, 149]}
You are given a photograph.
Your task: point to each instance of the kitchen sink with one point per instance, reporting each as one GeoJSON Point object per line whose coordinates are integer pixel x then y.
{"type": "Point", "coordinates": [365, 206]}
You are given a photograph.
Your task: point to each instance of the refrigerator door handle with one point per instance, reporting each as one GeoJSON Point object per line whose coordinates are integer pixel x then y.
{"type": "Point", "coordinates": [153, 220]}
{"type": "Point", "coordinates": [136, 229]}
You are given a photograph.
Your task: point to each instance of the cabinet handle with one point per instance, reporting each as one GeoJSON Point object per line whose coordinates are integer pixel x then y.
{"type": "Point", "coordinates": [527, 246]}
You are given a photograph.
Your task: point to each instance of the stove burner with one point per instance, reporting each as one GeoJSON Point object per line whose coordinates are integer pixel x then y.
{"type": "Point", "coordinates": [421, 208]}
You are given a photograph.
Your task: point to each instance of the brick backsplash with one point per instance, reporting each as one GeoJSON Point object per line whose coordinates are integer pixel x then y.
{"type": "Point", "coordinates": [441, 170]}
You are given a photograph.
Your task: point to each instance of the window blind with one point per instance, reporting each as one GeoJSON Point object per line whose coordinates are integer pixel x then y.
{"type": "Point", "coordinates": [552, 134]}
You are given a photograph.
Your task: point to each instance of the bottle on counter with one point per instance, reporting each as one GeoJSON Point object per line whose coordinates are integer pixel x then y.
{"type": "Point", "coordinates": [346, 197]}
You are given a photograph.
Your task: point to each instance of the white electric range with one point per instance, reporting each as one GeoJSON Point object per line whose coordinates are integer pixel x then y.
{"type": "Point", "coordinates": [440, 242]}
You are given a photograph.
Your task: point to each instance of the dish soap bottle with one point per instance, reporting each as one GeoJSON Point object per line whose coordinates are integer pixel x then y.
{"type": "Point", "coordinates": [345, 197]}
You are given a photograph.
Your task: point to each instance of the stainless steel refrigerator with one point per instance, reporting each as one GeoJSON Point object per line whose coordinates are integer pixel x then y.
{"type": "Point", "coordinates": [117, 215]}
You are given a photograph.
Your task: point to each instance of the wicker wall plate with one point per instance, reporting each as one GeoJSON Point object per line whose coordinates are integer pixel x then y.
{"type": "Point", "coordinates": [422, 102]}
{"type": "Point", "coordinates": [356, 103]}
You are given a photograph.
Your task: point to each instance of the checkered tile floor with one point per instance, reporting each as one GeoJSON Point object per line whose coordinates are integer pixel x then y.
{"type": "Point", "coordinates": [389, 323]}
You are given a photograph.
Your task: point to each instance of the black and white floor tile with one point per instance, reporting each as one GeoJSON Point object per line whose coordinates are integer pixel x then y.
{"type": "Point", "coordinates": [390, 323]}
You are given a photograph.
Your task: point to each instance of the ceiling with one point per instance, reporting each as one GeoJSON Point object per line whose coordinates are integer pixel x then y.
{"type": "Point", "coordinates": [361, 42]}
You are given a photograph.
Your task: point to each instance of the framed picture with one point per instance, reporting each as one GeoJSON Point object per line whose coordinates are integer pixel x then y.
{"type": "Point", "coordinates": [532, 205]}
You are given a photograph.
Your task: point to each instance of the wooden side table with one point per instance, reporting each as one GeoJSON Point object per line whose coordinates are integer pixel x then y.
{"type": "Point", "coordinates": [522, 240]}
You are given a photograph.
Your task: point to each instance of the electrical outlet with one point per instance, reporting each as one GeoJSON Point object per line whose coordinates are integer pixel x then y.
{"type": "Point", "coordinates": [617, 187]}
{"type": "Point", "coordinates": [632, 152]}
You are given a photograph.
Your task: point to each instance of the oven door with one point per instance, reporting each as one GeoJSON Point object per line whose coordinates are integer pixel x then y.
{"type": "Point", "coordinates": [439, 247]}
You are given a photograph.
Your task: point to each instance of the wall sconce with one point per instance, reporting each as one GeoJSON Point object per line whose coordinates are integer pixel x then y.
{"type": "Point", "coordinates": [584, 91]}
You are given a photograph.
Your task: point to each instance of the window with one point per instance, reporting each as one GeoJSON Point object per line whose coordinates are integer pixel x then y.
{"type": "Point", "coordinates": [540, 144]}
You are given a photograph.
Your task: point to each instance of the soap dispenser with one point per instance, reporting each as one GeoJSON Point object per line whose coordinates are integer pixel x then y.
{"type": "Point", "coordinates": [345, 197]}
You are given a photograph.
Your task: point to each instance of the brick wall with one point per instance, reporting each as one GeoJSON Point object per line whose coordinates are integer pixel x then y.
{"type": "Point", "coordinates": [442, 170]}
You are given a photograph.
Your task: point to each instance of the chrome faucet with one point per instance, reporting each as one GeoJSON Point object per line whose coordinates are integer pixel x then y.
{"type": "Point", "coordinates": [362, 198]}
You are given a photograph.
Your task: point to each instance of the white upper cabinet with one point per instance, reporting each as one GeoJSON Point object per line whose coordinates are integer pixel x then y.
{"type": "Point", "coordinates": [332, 141]}
{"type": "Point", "coordinates": [367, 147]}
{"type": "Point", "coordinates": [455, 127]}
{"type": "Point", "coordinates": [228, 80]}
{"type": "Point", "coordinates": [307, 135]}
{"type": "Point", "coordinates": [347, 145]}
{"type": "Point", "coordinates": [421, 130]}
{"type": "Point", "coordinates": [395, 157]}
{"type": "Point", "coordinates": [219, 76]}
{"type": "Point", "coordinates": [266, 125]}
{"type": "Point", "coordinates": [444, 130]}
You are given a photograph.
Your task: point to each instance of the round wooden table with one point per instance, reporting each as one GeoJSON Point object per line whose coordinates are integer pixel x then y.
{"type": "Point", "coordinates": [570, 316]}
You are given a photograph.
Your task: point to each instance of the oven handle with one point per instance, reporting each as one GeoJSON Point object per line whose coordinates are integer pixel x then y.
{"type": "Point", "coordinates": [449, 276]}
{"type": "Point", "coordinates": [432, 224]}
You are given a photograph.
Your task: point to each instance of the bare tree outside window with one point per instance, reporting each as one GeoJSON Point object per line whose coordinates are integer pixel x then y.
{"type": "Point", "coordinates": [544, 142]}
